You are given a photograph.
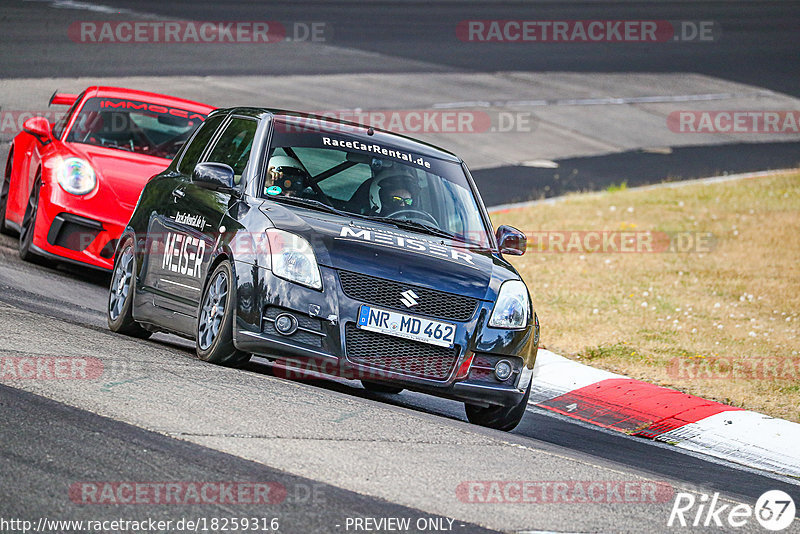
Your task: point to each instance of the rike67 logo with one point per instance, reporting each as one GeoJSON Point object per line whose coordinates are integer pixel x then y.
{"type": "Point", "coordinates": [774, 510]}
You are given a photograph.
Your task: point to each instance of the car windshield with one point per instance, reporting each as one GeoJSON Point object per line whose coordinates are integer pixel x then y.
{"type": "Point", "coordinates": [134, 126]}
{"type": "Point", "coordinates": [419, 192]}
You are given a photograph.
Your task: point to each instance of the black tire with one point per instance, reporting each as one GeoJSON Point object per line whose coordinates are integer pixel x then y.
{"type": "Point", "coordinates": [28, 226]}
{"type": "Point", "coordinates": [377, 387]}
{"type": "Point", "coordinates": [499, 417]}
{"type": "Point", "coordinates": [121, 293]}
{"type": "Point", "coordinates": [5, 185]}
{"type": "Point", "coordinates": [214, 332]}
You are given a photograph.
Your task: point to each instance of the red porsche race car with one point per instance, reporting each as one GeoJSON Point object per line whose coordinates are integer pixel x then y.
{"type": "Point", "coordinates": [69, 188]}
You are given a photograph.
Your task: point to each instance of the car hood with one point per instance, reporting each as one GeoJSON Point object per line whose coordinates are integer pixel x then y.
{"type": "Point", "coordinates": [124, 173]}
{"type": "Point", "coordinates": [385, 251]}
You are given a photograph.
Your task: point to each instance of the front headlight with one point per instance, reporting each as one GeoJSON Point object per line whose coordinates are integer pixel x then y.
{"type": "Point", "coordinates": [293, 258]}
{"type": "Point", "coordinates": [512, 308]}
{"type": "Point", "coordinates": [76, 176]}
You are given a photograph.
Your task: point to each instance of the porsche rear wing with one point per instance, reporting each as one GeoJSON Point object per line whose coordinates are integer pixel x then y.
{"type": "Point", "coordinates": [62, 99]}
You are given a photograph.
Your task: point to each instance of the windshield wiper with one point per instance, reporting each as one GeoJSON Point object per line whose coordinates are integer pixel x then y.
{"type": "Point", "coordinates": [414, 225]}
{"type": "Point", "coordinates": [112, 144]}
{"type": "Point", "coordinates": [309, 203]}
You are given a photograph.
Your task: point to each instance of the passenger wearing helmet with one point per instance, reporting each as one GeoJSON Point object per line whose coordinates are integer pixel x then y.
{"type": "Point", "coordinates": [286, 176]}
{"type": "Point", "coordinates": [391, 192]}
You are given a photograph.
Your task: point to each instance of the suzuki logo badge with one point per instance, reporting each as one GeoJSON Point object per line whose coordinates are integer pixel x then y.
{"type": "Point", "coordinates": [409, 298]}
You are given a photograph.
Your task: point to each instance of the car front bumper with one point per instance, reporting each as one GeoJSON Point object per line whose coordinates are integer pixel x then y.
{"type": "Point", "coordinates": [327, 342]}
{"type": "Point", "coordinates": [77, 230]}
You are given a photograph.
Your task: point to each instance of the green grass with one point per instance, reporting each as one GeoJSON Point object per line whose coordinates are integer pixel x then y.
{"type": "Point", "coordinates": [634, 313]}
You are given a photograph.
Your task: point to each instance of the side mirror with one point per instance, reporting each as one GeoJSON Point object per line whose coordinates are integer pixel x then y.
{"type": "Point", "coordinates": [214, 176]}
{"type": "Point", "coordinates": [39, 127]}
{"type": "Point", "coordinates": [511, 241]}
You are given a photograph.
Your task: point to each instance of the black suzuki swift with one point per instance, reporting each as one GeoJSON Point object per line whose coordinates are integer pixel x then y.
{"type": "Point", "coordinates": [335, 248]}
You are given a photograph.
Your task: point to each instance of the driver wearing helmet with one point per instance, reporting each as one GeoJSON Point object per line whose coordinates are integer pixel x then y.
{"type": "Point", "coordinates": [392, 192]}
{"type": "Point", "coordinates": [286, 176]}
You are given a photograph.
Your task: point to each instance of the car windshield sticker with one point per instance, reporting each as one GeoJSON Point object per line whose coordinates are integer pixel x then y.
{"type": "Point", "coordinates": [417, 245]}
{"type": "Point", "coordinates": [382, 146]}
{"type": "Point", "coordinates": [374, 148]}
{"type": "Point", "coordinates": [274, 190]}
{"type": "Point", "coordinates": [146, 108]}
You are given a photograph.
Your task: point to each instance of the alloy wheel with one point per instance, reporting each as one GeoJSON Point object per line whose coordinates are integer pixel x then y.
{"type": "Point", "coordinates": [213, 310]}
{"type": "Point", "coordinates": [121, 284]}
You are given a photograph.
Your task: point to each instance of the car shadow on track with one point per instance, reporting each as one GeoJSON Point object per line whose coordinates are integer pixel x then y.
{"type": "Point", "coordinates": [407, 399]}
{"type": "Point", "coordinates": [80, 273]}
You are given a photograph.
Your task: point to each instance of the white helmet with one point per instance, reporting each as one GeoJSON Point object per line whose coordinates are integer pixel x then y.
{"type": "Point", "coordinates": [390, 178]}
{"type": "Point", "coordinates": [287, 173]}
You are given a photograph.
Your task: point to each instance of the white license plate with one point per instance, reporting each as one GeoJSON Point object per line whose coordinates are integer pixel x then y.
{"type": "Point", "coordinates": [406, 326]}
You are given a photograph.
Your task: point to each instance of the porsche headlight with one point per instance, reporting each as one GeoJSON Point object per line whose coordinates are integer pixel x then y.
{"type": "Point", "coordinates": [512, 308]}
{"type": "Point", "coordinates": [293, 258]}
{"type": "Point", "coordinates": [76, 176]}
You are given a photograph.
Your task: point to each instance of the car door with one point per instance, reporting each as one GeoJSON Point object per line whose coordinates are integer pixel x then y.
{"type": "Point", "coordinates": [177, 234]}
{"type": "Point", "coordinates": [198, 213]}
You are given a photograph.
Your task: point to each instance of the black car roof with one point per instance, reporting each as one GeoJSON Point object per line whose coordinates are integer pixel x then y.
{"type": "Point", "coordinates": [353, 130]}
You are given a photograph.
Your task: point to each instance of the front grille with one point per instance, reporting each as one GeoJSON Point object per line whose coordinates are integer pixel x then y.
{"type": "Point", "coordinates": [399, 355]}
{"type": "Point", "coordinates": [387, 293]}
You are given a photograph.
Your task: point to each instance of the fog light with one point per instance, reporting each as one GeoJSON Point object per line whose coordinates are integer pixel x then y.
{"type": "Point", "coordinates": [286, 324]}
{"type": "Point", "coordinates": [502, 370]}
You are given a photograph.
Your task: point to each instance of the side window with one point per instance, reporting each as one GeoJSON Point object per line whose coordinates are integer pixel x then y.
{"type": "Point", "coordinates": [233, 146]}
{"type": "Point", "coordinates": [342, 185]}
{"type": "Point", "coordinates": [198, 144]}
